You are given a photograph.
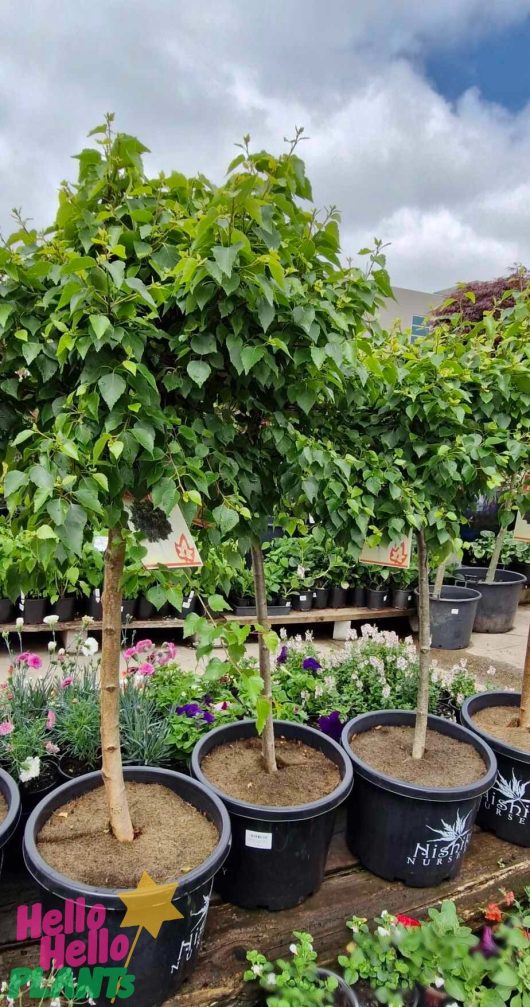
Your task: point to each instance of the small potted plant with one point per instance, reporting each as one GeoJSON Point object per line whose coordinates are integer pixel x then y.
{"type": "Point", "coordinates": [297, 981]}
{"type": "Point", "coordinates": [62, 591]}
{"type": "Point", "coordinates": [32, 576]}
{"type": "Point", "coordinates": [9, 580]}
{"type": "Point", "coordinates": [358, 577]}
{"type": "Point", "coordinates": [403, 583]}
{"type": "Point", "coordinates": [338, 574]}
{"type": "Point", "coordinates": [301, 589]}
{"type": "Point", "coordinates": [77, 723]}
{"type": "Point", "coordinates": [378, 593]}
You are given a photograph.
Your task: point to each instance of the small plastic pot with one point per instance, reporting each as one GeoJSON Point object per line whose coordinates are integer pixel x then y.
{"type": "Point", "coordinates": [320, 597]}
{"type": "Point", "coordinates": [93, 606]}
{"type": "Point", "coordinates": [302, 602]}
{"type": "Point", "coordinates": [158, 966]}
{"type": "Point", "coordinates": [403, 832]}
{"type": "Point", "coordinates": [64, 608]}
{"type": "Point", "coordinates": [452, 616]}
{"type": "Point", "coordinates": [33, 791]}
{"type": "Point", "coordinates": [498, 605]}
{"type": "Point", "coordinates": [8, 825]}
{"type": "Point", "coordinates": [278, 854]}
{"type": "Point", "coordinates": [145, 609]}
{"type": "Point", "coordinates": [505, 809]}
{"type": "Point", "coordinates": [189, 605]}
{"type": "Point", "coordinates": [34, 610]}
{"type": "Point", "coordinates": [338, 597]}
{"type": "Point", "coordinates": [378, 598]}
{"type": "Point", "coordinates": [357, 597]}
{"type": "Point", "coordinates": [70, 769]}
{"type": "Point", "coordinates": [402, 597]}
{"type": "Point", "coordinates": [7, 610]}
{"type": "Point", "coordinates": [128, 609]}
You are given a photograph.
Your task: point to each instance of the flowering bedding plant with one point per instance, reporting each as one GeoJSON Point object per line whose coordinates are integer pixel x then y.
{"type": "Point", "coordinates": [294, 982]}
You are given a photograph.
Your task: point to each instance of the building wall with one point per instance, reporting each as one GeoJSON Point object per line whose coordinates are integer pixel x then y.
{"type": "Point", "coordinates": [409, 308]}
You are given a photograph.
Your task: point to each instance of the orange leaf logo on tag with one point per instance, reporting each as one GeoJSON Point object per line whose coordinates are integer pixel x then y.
{"type": "Point", "coordinates": [184, 550]}
{"type": "Point", "coordinates": [398, 554]}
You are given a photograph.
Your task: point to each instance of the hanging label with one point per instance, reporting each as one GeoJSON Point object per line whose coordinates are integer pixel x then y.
{"type": "Point", "coordinates": [258, 840]}
{"type": "Point", "coordinates": [522, 528]}
{"type": "Point", "coordinates": [395, 554]}
{"type": "Point", "coordinates": [454, 611]}
{"type": "Point", "coordinates": [100, 543]}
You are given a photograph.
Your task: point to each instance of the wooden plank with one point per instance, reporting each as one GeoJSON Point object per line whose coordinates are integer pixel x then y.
{"type": "Point", "coordinates": [315, 615]}
{"type": "Point", "coordinates": [490, 865]}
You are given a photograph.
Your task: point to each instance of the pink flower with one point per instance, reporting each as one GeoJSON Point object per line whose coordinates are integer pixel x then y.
{"type": "Point", "coordinates": [143, 645]}
{"type": "Point", "coordinates": [34, 661]}
{"type": "Point", "coordinates": [6, 727]}
{"type": "Point", "coordinates": [51, 748]}
{"type": "Point", "coordinates": [50, 720]}
{"type": "Point", "coordinates": [129, 653]}
{"type": "Point", "coordinates": [66, 681]}
{"type": "Point", "coordinates": [221, 706]}
{"type": "Point", "coordinates": [146, 669]}
{"type": "Point", "coordinates": [171, 650]}
{"type": "Point", "coordinates": [23, 656]}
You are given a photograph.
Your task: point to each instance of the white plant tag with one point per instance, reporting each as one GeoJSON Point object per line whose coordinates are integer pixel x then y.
{"type": "Point", "coordinates": [258, 840]}
{"type": "Point", "coordinates": [303, 597]}
{"type": "Point", "coordinates": [97, 595]}
{"type": "Point", "coordinates": [385, 598]}
{"type": "Point", "coordinates": [300, 571]}
{"type": "Point", "coordinates": [100, 543]}
{"type": "Point", "coordinates": [454, 611]}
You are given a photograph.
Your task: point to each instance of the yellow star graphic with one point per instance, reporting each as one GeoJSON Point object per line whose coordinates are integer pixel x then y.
{"type": "Point", "coordinates": [149, 905]}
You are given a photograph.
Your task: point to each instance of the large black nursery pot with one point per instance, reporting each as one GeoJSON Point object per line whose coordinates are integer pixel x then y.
{"type": "Point", "coordinates": [403, 597]}
{"type": "Point", "coordinates": [404, 832]}
{"type": "Point", "coordinates": [378, 597]}
{"type": "Point", "coordinates": [278, 854]}
{"type": "Point", "coordinates": [64, 608]}
{"type": "Point", "coordinates": [34, 610]}
{"type": "Point", "coordinates": [7, 610]}
{"type": "Point", "coordinates": [505, 809]}
{"type": "Point", "coordinates": [158, 966]}
{"type": "Point", "coordinates": [452, 616]}
{"type": "Point", "coordinates": [498, 605]}
{"type": "Point", "coordinates": [8, 825]}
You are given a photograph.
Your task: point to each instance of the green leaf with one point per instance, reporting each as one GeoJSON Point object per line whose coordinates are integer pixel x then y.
{"type": "Point", "coordinates": [116, 268]}
{"type": "Point", "coordinates": [45, 532]}
{"type": "Point", "coordinates": [199, 371]}
{"type": "Point", "coordinates": [42, 477]}
{"type": "Point", "coordinates": [250, 355]}
{"type": "Point", "coordinates": [102, 480]}
{"type": "Point", "coordinates": [271, 641]}
{"type": "Point", "coordinates": [225, 257]}
{"type": "Point", "coordinates": [225, 518]}
{"type": "Point", "coordinates": [112, 387]}
{"type": "Point", "coordinates": [263, 708]}
{"type": "Point", "coordinates": [265, 313]}
{"type": "Point", "coordinates": [89, 499]}
{"type": "Point", "coordinates": [134, 283]}
{"type": "Point", "coordinates": [217, 603]}
{"type": "Point", "coordinates": [145, 436]}
{"type": "Point", "coordinates": [116, 448]}
{"type": "Point", "coordinates": [13, 481]}
{"type": "Point", "coordinates": [99, 325]}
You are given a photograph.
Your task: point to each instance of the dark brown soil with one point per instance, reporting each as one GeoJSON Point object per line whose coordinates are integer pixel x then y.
{"type": "Point", "coordinates": [3, 807]}
{"type": "Point", "coordinates": [501, 722]}
{"type": "Point", "coordinates": [304, 774]}
{"type": "Point", "coordinates": [172, 838]}
{"type": "Point", "coordinates": [447, 762]}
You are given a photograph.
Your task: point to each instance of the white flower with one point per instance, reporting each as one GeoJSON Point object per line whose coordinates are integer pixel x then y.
{"type": "Point", "coordinates": [90, 647]}
{"type": "Point", "coordinates": [271, 979]}
{"type": "Point", "coordinates": [51, 620]}
{"type": "Point", "coordinates": [293, 948]}
{"type": "Point", "coordinates": [257, 970]}
{"type": "Point", "coordinates": [29, 769]}
{"type": "Point", "coordinates": [283, 633]}
{"type": "Point", "coordinates": [388, 917]}
{"type": "Point", "coordinates": [55, 1002]}
{"type": "Point", "coordinates": [491, 670]}
{"type": "Point", "coordinates": [61, 651]}
{"type": "Point", "coordinates": [438, 982]}
{"type": "Point", "coordinates": [87, 620]}
{"type": "Point", "coordinates": [19, 622]}
{"type": "Point", "coordinates": [383, 932]}
{"type": "Point", "coordinates": [52, 646]}
{"type": "Point", "coordinates": [3, 987]}
{"type": "Point", "coordinates": [386, 691]}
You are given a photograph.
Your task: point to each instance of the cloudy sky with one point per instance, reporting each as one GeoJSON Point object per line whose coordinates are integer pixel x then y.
{"type": "Point", "coordinates": [418, 111]}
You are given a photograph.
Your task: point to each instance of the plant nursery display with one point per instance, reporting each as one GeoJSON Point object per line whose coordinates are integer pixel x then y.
{"type": "Point", "coordinates": [297, 982]}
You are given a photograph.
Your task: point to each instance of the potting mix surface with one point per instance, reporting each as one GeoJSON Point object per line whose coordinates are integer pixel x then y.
{"type": "Point", "coordinates": [304, 774]}
{"type": "Point", "coordinates": [446, 763]}
{"type": "Point", "coordinates": [501, 722]}
{"type": "Point", "coordinates": [3, 807]}
{"type": "Point", "coordinates": [171, 838]}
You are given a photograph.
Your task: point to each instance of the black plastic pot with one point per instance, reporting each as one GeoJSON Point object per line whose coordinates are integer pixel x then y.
{"type": "Point", "coordinates": [189, 605]}
{"type": "Point", "coordinates": [402, 597]}
{"type": "Point", "coordinates": [145, 609]}
{"type": "Point", "coordinates": [357, 597]}
{"type": "Point", "coordinates": [7, 610]}
{"type": "Point", "coordinates": [128, 609]}
{"type": "Point", "coordinates": [278, 855]}
{"type": "Point", "coordinates": [452, 616]}
{"type": "Point", "coordinates": [320, 597]}
{"type": "Point", "coordinates": [378, 598]}
{"type": "Point", "coordinates": [70, 769]}
{"type": "Point", "coordinates": [34, 610]}
{"type": "Point", "coordinates": [505, 809]}
{"type": "Point", "coordinates": [33, 791]}
{"type": "Point", "coordinates": [64, 608]}
{"type": "Point", "coordinates": [404, 832]}
{"type": "Point", "coordinates": [302, 602]}
{"type": "Point", "coordinates": [158, 966]}
{"type": "Point", "coordinates": [10, 793]}
{"type": "Point", "coordinates": [93, 606]}
{"type": "Point", "coordinates": [523, 568]}
{"type": "Point", "coordinates": [338, 597]}
{"type": "Point", "coordinates": [498, 604]}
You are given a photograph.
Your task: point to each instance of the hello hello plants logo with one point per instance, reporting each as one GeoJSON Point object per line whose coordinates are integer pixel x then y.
{"type": "Point", "coordinates": [77, 939]}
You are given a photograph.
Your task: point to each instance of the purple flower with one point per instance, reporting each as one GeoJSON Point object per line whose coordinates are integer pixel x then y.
{"type": "Point", "coordinates": [487, 944]}
{"type": "Point", "coordinates": [208, 717]}
{"type": "Point", "coordinates": [283, 655]}
{"type": "Point", "coordinates": [331, 725]}
{"type": "Point", "coordinates": [311, 664]}
{"type": "Point", "coordinates": [207, 700]}
{"type": "Point", "coordinates": [190, 709]}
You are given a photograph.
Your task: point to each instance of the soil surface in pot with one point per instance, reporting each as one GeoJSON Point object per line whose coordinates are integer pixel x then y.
{"type": "Point", "coordinates": [304, 774]}
{"type": "Point", "coordinates": [447, 763]}
{"type": "Point", "coordinates": [77, 842]}
{"type": "Point", "coordinates": [3, 808]}
{"type": "Point", "coordinates": [367, 997]}
{"type": "Point", "coordinates": [47, 777]}
{"type": "Point", "coordinates": [501, 722]}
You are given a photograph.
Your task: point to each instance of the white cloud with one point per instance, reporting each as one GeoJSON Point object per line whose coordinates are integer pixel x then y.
{"type": "Point", "coordinates": [447, 184]}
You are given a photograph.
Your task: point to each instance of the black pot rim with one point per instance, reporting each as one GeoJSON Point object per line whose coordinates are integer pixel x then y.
{"type": "Point", "coordinates": [405, 718]}
{"type": "Point", "coordinates": [286, 812]}
{"type": "Point", "coordinates": [62, 885]}
{"type": "Point", "coordinates": [470, 595]}
{"type": "Point", "coordinates": [483, 699]}
{"type": "Point", "coordinates": [11, 793]}
{"type": "Point", "coordinates": [511, 576]}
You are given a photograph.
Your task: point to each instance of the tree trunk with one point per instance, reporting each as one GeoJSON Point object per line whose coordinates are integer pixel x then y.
{"type": "Point", "coordinates": [112, 770]}
{"type": "Point", "coordinates": [422, 708]}
{"type": "Point", "coordinates": [524, 714]}
{"type": "Point", "coordinates": [496, 555]}
{"type": "Point", "coordinates": [267, 738]}
{"type": "Point", "coordinates": [439, 580]}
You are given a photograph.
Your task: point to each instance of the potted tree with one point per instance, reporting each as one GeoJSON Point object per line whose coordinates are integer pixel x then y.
{"type": "Point", "coordinates": [105, 429]}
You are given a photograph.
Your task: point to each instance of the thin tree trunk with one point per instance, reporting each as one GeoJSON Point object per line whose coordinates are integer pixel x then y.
{"type": "Point", "coordinates": [496, 555]}
{"type": "Point", "coordinates": [422, 708]}
{"type": "Point", "coordinates": [439, 580]}
{"type": "Point", "coordinates": [267, 738]}
{"type": "Point", "coordinates": [112, 770]}
{"type": "Point", "coordinates": [524, 713]}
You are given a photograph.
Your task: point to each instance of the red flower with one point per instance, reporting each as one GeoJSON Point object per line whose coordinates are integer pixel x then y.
{"type": "Point", "coordinates": [493, 913]}
{"type": "Point", "coordinates": [407, 921]}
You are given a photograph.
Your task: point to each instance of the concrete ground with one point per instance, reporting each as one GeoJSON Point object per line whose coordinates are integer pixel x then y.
{"type": "Point", "coordinates": [506, 651]}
